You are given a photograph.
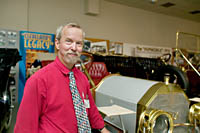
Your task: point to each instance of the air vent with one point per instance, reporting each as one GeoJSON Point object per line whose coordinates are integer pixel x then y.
{"type": "Point", "coordinates": [168, 4]}
{"type": "Point", "coordinates": [195, 12]}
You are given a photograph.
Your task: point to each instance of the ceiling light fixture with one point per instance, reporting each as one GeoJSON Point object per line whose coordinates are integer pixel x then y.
{"type": "Point", "coordinates": [153, 1]}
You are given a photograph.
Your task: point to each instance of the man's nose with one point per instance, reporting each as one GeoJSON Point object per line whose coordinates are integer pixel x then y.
{"type": "Point", "coordinates": [74, 46]}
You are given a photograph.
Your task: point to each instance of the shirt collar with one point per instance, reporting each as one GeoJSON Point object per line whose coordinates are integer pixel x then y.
{"type": "Point", "coordinates": [63, 68]}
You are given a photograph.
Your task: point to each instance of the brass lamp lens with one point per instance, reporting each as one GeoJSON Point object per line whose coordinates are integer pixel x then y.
{"type": "Point", "coordinates": [161, 124]}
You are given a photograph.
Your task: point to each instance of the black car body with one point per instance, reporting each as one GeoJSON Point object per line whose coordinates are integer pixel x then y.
{"type": "Point", "coordinates": [8, 58]}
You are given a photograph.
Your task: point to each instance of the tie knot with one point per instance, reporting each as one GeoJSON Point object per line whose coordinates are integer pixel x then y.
{"type": "Point", "coordinates": [71, 76]}
{"type": "Point", "coordinates": [71, 73]}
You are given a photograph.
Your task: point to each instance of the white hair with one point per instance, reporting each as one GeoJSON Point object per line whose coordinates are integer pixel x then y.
{"type": "Point", "coordinates": [60, 29]}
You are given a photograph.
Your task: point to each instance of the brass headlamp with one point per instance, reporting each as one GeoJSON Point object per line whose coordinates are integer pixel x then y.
{"type": "Point", "coordinates": [194, 114]}
{"type": "Point", "coordinates": [155, 121]}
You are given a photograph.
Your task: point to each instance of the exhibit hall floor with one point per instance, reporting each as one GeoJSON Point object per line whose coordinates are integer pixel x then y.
{"type": "Point", "coordinates": [14, 114]}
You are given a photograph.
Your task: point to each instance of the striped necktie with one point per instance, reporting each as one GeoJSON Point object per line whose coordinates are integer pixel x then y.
{"type": "Point", "coordinates": [80, 110]}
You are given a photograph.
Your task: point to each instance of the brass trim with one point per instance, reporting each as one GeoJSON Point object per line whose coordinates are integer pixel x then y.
{"type": "Point", "coordinates": [150, 94]}
{"type": "Point", "coordinates": [194, 114]}
{"type": "Point", "coordinates": [185, 58]}
{"type": "Point", "coordinates": [160, 88]}
{"type": "Point", "coordinates": [183, 124]}
{"type": "Point", "coordinates": [87, 74]}
{"type": "Point", "coordinates": [148, 117]}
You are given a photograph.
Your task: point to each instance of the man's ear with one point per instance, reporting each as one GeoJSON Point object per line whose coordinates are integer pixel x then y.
{"type": "Point", "coordinates": [57, 44]}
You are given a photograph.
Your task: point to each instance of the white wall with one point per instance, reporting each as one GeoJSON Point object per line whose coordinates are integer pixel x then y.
{"type": "Point", "coordinates": [115, 22]}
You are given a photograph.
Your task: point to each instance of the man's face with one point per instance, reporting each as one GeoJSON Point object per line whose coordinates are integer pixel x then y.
{"type": "Point", "coordinates": [70, 46]}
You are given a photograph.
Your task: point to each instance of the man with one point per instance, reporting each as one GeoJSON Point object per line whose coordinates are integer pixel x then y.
{"type": "Point", "coordinates": [48, 104]}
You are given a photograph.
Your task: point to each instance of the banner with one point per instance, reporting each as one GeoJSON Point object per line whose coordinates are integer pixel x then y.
{"type": "Point", "coordinates": [32, 43]}
{"type": "Point", "coordinates": [146, 51]}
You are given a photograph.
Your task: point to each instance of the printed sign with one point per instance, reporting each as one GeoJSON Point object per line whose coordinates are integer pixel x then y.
{"type": "Point", "coordinates": [32, 43]}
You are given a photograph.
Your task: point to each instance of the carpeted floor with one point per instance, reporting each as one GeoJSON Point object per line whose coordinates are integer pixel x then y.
{"type": "Point", "coordinates": [11, 129]}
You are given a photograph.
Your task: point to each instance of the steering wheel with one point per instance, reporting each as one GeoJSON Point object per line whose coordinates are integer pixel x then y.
{"type": "Point", "coordinates": [85, 62]}
{"type": "Point", "coordinates": [86, 59]}
{"type": "Point", "coordinates": [165, 57]}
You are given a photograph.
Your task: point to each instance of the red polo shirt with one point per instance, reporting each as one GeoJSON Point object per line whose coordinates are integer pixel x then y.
{"type": "Point", "coordinates": [47, 105]}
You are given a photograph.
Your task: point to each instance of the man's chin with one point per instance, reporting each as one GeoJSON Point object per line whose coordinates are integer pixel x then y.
{"type": "Point", "coordinates": [73, 61]}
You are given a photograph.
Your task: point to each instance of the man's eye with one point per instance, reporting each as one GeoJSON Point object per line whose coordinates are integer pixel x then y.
{"type": "Point", "coordinates": [79, 43]}
{"type": "Point", "coordinates": [68, 41]}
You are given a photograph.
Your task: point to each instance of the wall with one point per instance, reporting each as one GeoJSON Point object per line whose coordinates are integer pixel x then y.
{"type": "Point", "coordinates": [115, 22]}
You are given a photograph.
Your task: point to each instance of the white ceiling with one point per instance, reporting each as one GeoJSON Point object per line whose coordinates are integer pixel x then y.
{"type": "Point", "coordinates": [181, 8]}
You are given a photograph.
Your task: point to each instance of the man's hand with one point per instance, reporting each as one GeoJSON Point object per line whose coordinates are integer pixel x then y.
{"type": "Point", "coordinates": [104, 130]}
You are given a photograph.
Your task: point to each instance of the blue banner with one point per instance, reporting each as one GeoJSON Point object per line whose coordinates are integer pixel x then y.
{"type": "Point", "coordinates": [30, 44]}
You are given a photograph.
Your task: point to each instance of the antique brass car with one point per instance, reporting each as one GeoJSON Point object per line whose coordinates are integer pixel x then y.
{"type": "Point", "coordinates": [160, 107]}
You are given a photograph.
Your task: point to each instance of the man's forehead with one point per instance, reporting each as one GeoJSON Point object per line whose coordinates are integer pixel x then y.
{"type": "Point", "coordinates": [66, 34]}
{"type": "Point", "coordinates": [69, 27]}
